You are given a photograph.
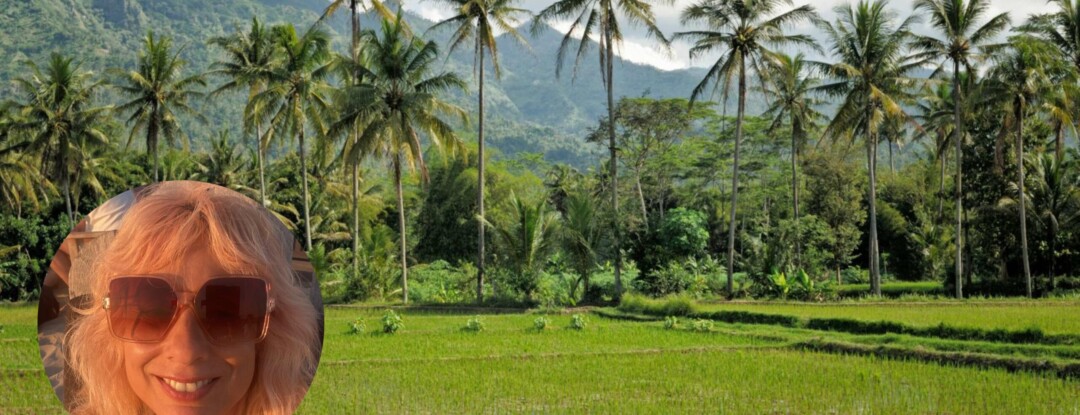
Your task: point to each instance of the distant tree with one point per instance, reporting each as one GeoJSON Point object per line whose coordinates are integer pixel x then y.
{"type": "Point", "coordinates": [159, 93]}
{"type": "Point", "coordinates": [527, 237]}
{"type": "Point", "coordinates": [743, 31]}
{"type": "Point", "coordinates": [58, 120]}
{"type": "Point", "coordinates": [599, 18]}
{"type": "Point", "coordinates": [833, 189]}
{"type": "Point", "coordinates": [581, 237]}
{"type": "Point", "coordinates": [481, 20]}
{"type": "Point", "coordinates": [963, 42]}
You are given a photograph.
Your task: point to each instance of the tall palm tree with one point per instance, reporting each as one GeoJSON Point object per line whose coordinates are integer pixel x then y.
{"type": "Point", "coordinates": [250, 57]}
{"type": "Point", "coordinates": [58, 119]}
{"type": "Point", "coordinates": [158, 94]}
{"type": "Point", "coordinates": [295, 96]}
{"type": "Point", "coordinates": [1061, 28]}
{"type": "Point", "coordinates": [479, 20]}
{"type": "Point", "coordinates": [743, 31]}
{"type": "Point", "coordinates": [353, 159]}
{"type": "Point", "coordinates": [963, 42]}
{"type": "Point", "coordinates": [398, 100]}
{"type": "Point", "coordinates": [871, 77]}
{"type": "Point", "coordinates": [20, 180]}
{"type": "Point", "coordinates": [1055, 196]}
{"type": "Point", "coordinates": [791, 90]}
{"type": "Point", "coordinates": [600, 18]}
{"type": "Point", "coordinates": [1021, 77]}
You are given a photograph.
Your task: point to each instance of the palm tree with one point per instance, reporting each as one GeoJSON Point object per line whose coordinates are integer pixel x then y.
{"type": "Point", "coordinates": [223, 165]}
{"type": "Point", "coordinates": [249, 60]}
{"type": "Point", "coordinates": [1054, 193]}
{"type": "Point", "coordinates": [871, 78]}
{"type": "Point", "coordinates": [581, 235]}
{"type": "Point", "coordinates": [743, 31]}
{"type": "Point", "coordinates": [354, 159]}
{"type": "Point", "coordinates": [295, 96]}
{"type": "Point", "coordinates": [1061, 28]}
{"type": "Point", "coordinates": [600, 18]}
{"type": "Point", "coordinates": [158, 94]}
{"type": "Point", "coordinates": [1021, 77]}
{"type": "Point", "coordinates": [526, 238]}
{"type": "Point", "coordinates": [58, 119]}
{"type": "Point", "coordinates": [479, 20]}
{"type": "Point", "coordinates": [962, 42]}
{"type": "Point", "coordinates": [398, 100]}
{"type": "Point", "coordinates": [791, 91]}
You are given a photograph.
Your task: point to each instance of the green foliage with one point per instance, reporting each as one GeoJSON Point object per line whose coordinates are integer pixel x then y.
{"type": "Point", "coordinates": [541, 323]}
{"type": "Point", "coordinates": [577, 322]}
{"type": "Point", "coordinates": [673, 305]}
{"type": "Point", "coordinates": [702, 325]}
{"type": "Point", "coordinates": [391, 322]}
{"type": "Point", "coordinates": [671, 323]}
{"type": "Point", "coordinates": [440, 282]}
{"type": "Point", "coordinates": [474, 325]}
{"type": "Point", "coordinates": [835, 197]}
{"type": "Point", "coordinates": [357, 326]}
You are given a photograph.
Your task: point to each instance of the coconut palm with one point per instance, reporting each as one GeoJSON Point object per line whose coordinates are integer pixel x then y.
{"type": "Point", "coordinates": [353, 159]}
{"type": "Point", "coordinates": [398, 100]}
{"type": "Point", "coordinates": [479, 20]}
{"type": "Point", "coordinates": [963, 42]}
{"type": "Point", "coordinates": [743, 31]}
{"type": "Point", "coordinates": [1061, 28]}
{"type": "Point", "coordinates": [159, 94]}
{"type": "Point", "coordinates": [21, 181]}
{"type": "Point", "coordinates": [526, 238]}
{"type": "Point", "coordinates": [250, 57]}
{"type": "Point", "coordinates": [871, 77]}
{"type": "Point", "coordinates": [223, 165]}
{"type": "Point", "coordinates": [1055, 197]}
{"type": "Point", "coordinates": [295, 97]}
{"type": "Point", "coordinates": [581, 235]}
{"type": "Point", "coordinates": [58, 120]}
{"type": "Point", "coordinates": [791, 91]}
{"type": "Point", "coordinates": [1021, 77]}
{"type": "Point", "coordinates": [600, 19]}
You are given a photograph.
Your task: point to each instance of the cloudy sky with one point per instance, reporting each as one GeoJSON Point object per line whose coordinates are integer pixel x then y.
{"type": "Point", "coordinates": [638, 48]}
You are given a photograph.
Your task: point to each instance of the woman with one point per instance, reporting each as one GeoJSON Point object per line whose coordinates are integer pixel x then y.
{"type": "Point", "coordinates": [195, 310]}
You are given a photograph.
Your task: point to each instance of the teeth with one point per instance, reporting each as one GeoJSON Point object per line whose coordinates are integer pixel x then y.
{"type": "Point", "coordinates": [186, 387]}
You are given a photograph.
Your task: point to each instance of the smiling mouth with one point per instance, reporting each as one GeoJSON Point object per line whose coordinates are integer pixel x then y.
{"type": "Point", "coordinates": [187, 391]}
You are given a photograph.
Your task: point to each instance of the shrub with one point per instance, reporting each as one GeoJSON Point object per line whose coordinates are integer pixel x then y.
{"type": "Point", "coordinates": [541, 323]}
{"type": "Point", "coordinates": [474, 325]}
{"type": "Point", "coordinates": [702, 325]}
{"type": "Point", "coordinates": [355, 326]}
{"type": "Point", "coordinates": [391, 322]}
{"type": "Point", "coordinates": [577, 322]}
{"type": "Point", "coordinates": [675, 305]}
{"type": "Point", "coordinates": [671, 322]}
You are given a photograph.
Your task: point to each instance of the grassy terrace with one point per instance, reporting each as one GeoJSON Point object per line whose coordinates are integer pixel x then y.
{"type": "Point", "coordinates": [623, 366]}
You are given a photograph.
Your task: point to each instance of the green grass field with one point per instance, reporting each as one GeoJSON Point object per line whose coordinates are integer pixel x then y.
{"type": "Point", "coordinates": [618, 366]}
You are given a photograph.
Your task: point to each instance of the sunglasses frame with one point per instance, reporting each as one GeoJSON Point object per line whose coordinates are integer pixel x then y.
{"type": "Point", "coordinates": [189, 302]}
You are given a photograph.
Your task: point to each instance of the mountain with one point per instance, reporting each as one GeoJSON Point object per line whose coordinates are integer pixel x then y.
{"type": "Point", "coordinates": [529, 109]}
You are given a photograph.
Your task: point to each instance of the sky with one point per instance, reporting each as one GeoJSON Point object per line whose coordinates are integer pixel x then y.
{"type": "Point", "coordinates": [640, 49]}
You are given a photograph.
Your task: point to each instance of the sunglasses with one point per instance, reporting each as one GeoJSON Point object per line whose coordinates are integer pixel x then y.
{"type": "Point", "coordinates": [229, 310]}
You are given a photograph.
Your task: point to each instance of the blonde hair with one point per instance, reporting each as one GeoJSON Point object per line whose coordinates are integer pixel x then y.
{"type": "Point", "coordinates": [169, 219]}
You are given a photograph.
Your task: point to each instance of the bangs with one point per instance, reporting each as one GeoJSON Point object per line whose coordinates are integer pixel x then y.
{"type": "Point", "coordinates": [171, 220]}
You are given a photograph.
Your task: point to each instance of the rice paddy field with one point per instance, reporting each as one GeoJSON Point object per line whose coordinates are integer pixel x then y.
{"type": "Point", "coordinates": [621, 363]}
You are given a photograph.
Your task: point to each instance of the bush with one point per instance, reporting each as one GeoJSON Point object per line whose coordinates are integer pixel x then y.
{"type": "Point", "coordinates": [541, 323]}
{"type": "Point", "coordinates": [391, 322]}
{"type": "Point", "coordinates": [439, 282]}
{"type": "Point", "coordinates": [356, 326]}
{"type": "Point", "coordinates": [577, 322]}
{"type": "Point", "coordinates": [674, 305]}
{"type": "Point", "coordinates": [702, 325]}
{"type": "Point", "coordinates": [853, 275]}
{"type": "Point", "coordinates": [474, 325]}
{"type": "Point", "coordinates": [671, 322]}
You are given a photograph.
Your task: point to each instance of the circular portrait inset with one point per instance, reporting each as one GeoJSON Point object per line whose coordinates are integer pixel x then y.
{"type": "Point", "coordinates": [180, 297]}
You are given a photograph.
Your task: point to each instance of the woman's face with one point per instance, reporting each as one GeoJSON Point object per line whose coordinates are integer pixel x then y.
{"type": "Point", "coordinates": [185, 373]}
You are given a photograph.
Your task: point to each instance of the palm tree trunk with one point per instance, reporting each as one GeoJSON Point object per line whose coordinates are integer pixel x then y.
{"type": "Point", "coordinates": [796, 134]}
{"type": "Point", "coordinates": [401, 228]}
{"type": "Point", "coordinates": [641, 197]}
{"type": "Point", "coordinates": [871, 161]}
{"type": "Point", "coordinates": [151, 138]}
{"type": "Point", "coordinates": [1023, 205]}
{"type": "Point", "coordinates": [892, 164]}
{"type": "Point", "coordinates": [260, 155]}
{"type": "Point", "coordinates": [67, 196]}
{"type": "Point", "coordinates": [609, 70]}
{"type": "Point", "coordinates": [356, 218]}
{"type": "Point", "coordinates": [303, 181]}
{"type": "Point", "coordinates": [941, 186]}
{"type": "Point", "coordinates": [735, 181]}
{"type": "Point", "coordinates": [958, 137]}
{"type": "Point", "coordinates": [480, 183]}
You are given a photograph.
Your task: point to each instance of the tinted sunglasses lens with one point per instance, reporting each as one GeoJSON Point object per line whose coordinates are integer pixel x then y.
{"type": "Point", "coordinates": [140, 308]}
{"type": "Point", "coordinates": [233, 309]}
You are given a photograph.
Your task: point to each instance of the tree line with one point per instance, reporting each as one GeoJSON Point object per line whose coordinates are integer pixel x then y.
{"type": "Point", "coordinates": [319, 125]}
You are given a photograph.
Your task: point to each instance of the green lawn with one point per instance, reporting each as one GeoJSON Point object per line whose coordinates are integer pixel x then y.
{"type": "Point", "coordinates": [615, 366]}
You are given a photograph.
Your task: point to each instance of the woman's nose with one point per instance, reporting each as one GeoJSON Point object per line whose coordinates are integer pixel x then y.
{"type": "Point", "coordinates": [186, 341]}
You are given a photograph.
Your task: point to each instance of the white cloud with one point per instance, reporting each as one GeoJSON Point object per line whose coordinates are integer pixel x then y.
{"type": "Point", "coordinates": [637, 47]}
